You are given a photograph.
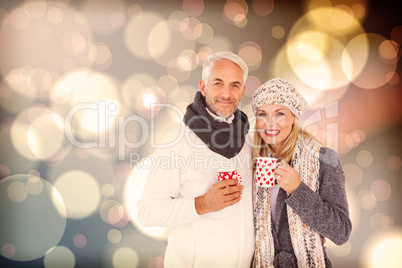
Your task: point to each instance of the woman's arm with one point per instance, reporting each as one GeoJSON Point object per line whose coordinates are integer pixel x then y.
{"type": "Point", "coordinates": [327, 211]}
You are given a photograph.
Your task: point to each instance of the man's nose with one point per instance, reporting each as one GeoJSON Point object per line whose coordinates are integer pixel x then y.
{"type": "Point", "coordinates": [226, 91]}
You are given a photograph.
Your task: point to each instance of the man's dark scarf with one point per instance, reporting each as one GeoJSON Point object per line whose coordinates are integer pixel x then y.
{"type": "Point", "coordinates": [220, 137]}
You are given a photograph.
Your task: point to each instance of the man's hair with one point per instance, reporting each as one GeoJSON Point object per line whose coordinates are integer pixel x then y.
{"type": "Point", "coordinates": [210, 62]}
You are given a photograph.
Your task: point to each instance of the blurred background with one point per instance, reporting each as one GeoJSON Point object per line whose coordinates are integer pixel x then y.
{"type": "Point", "coordinates": [79, 81]}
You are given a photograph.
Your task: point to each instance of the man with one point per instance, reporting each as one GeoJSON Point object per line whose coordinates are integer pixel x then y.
{"type": "Point", "coordinates": [211, 222]}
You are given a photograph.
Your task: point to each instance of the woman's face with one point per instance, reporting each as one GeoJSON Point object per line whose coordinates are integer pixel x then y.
{"type": "Point", "coordinates": [274, 124]}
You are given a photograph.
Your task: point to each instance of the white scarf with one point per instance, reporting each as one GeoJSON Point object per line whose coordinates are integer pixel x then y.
{"type": "Point", "coordinates": [307, 244]}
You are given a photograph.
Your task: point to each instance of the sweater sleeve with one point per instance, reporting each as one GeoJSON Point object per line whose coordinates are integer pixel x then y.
{"type": "Point", "coordinates": [161, 204]}
{"type": "Point", "coordinates": [327, 211]}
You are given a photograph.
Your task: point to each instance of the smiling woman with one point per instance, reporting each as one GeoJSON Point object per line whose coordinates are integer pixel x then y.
{"type": "Point", "coordinates": [277, 122]}
{"type": "Point", "coordinates": [286, 218]}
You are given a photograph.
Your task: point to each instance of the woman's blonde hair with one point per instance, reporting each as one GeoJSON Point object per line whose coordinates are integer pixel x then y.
{"type": "Point", "coordinates": [261, 149]}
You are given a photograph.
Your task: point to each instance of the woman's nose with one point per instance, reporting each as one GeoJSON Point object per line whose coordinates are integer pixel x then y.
{"type": "Point", "coordinates": [270, 121]}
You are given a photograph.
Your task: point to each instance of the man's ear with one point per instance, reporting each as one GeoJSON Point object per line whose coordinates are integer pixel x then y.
{"type": "Point", "coordinates": [203, 88]}
{"type": "Point", "coordinates": [244, 90]}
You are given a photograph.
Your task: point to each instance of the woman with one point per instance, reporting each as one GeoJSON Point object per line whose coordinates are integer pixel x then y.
{"type": "Point", "coordinates": [308, 204]}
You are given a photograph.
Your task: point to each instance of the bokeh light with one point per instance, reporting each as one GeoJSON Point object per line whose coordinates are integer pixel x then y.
{"type": "Point", "coordinates": [88, 88]}
{"type": "Point", "coordinates": [364, 158]}
{"type": "Point", "coordinates": [33, 217]}
{"type": "Point", "coordinates": [58, 255]}
{"type": "Point", "coordinates": [125, 257]}
{"type": "Point", "coordinates": [132, 193]}
{"type": "Point", "coordinates": [381, 190]}
{"type": "Point", "coordinates": [383, 250]}
{"type": "Point", "coordinates": [353, 175]}
{"type": "Point", "coordinates": [80, 192]}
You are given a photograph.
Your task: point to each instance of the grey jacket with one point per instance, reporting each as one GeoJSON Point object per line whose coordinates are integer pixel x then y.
{"type": "Point", "coordinates": [326, 212]}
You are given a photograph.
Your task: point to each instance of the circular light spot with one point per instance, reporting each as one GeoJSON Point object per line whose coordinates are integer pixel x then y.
{"type": "Point", "coordinates": [114, 236]}
{"type": "Point", "coordinates": [361, 134]}
{"type": "Point", "coordinates": [135, 11]}
{"type": "Point", "coordinates": [278, 32]}
{"type": "Point", "coordinates": [45, 136]}
{"type": "Point", "coordinates": [105, 208]}
{"type": "Point", "coordinates": [364, 158]}
{"type": "Point", "coordinates": [79, 240]}
{"type": "Point", "coordinates": [383, 250]}
{"type": "Point", "coordinates": [380, 222]}
{"type": "Point", "coordinates": [394, 163]}
{"type": "Point", "coordinates": [38, 133]}
{"type": "Point", "coordinates": [206, 33]}
{"type": "Point", "coordinates": [4, 16]}
{"type": "Point", "coordinates": [19, 19]}
{"type": "Point", "coordinates": [55, 15]}
{"type": "Point", "coordinates": [193, 8]}
{"type": "Point", "coordinates": [234, 12]}
{"type": "Point", "coordinates": [137, 32]}
{"type": "Point", "coordinates": [8, 250]}
{"type": "Point", "coordinates": [117, 216]}
{"type": "Point", "coordinates": [252, 83]}
{"type": "Point", "coordinates": [133, 191]}
{"type": "Point", "coordinates": [159, 39]}
{"type": "Point", "coordinates": [363, 63]}
{"type": "Point", "coordinates": [392, 78]}
{"type": "Point", "coordinates": [105, 16]}
{"type": "Point", "coordinates": [107, 190]}
{"type": "Point", "coordinates": [17, 191]}
{"type": "Point", "coordinates": [169, 85]}
{"type": "Point", "coordinates": [251, 53]}
{"type": "Point", "coordinates": [100, 55]}
{"type": "Point", "coordinates": [34, 185]}
{"type": "Point", "coordinates": [32, 226]}
{"type": "Point", "coordinates": [388, 50]}
{"type": "Point", "coordinates": [80, 191]}
{"type": "Point", "coordinates": [35, 9]}
{"type": "Point", "coordinates": [59, 255]}
{"type": "Point", "coordinates": [20, 81]}
{"type": "Point", "coordinates": [263, 7]}
{"type": "Point", "coordinates": [125, 257]}
{"type": "Point", "coordinates": [189, 28]}
{"type": "Point", "coordinates": [353, 175]}
{"type": "Point", "coordinates": [4, 171]}
{"type": "Point", "coordinates": [117, 20]}
{"type": "Point", "coordinates": [381, 189]}
{"type": "Point", "coordinates": [359, 11]}
{"type": "Point", "coordinates": [367, 200]}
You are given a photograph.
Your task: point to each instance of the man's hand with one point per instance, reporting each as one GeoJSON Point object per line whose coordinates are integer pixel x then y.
{"type": "Point", "coordinates": [219, 196]}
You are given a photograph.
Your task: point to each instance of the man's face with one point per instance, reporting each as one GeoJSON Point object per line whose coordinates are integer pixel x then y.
{"type": "Point", "coordinates": [224, 89]}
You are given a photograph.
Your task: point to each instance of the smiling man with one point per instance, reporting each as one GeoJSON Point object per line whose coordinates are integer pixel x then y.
{"type": "Point", "coordinates": [223, 88]}
{"type": "Point", "coordinates": [211, 224]}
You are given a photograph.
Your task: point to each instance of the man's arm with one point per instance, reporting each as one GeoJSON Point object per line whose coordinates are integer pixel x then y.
{"type": "Point", "coordinates": [219, 196]}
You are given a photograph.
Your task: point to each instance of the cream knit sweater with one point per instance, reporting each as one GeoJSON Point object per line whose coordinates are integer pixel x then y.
{"type": "Point", "coordinates": [218, 239]}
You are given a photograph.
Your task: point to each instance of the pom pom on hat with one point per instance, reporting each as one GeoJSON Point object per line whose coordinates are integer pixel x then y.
{"type": "Point", "coordinates": [279, 91]}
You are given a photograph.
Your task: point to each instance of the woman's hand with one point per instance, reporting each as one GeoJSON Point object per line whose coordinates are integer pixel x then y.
{"type": "Point", "coordinates": [287, 177]}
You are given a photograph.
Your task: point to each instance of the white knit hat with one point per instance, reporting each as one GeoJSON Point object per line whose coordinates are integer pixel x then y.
{"type": "Point", "coordinates": [279, 91]}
